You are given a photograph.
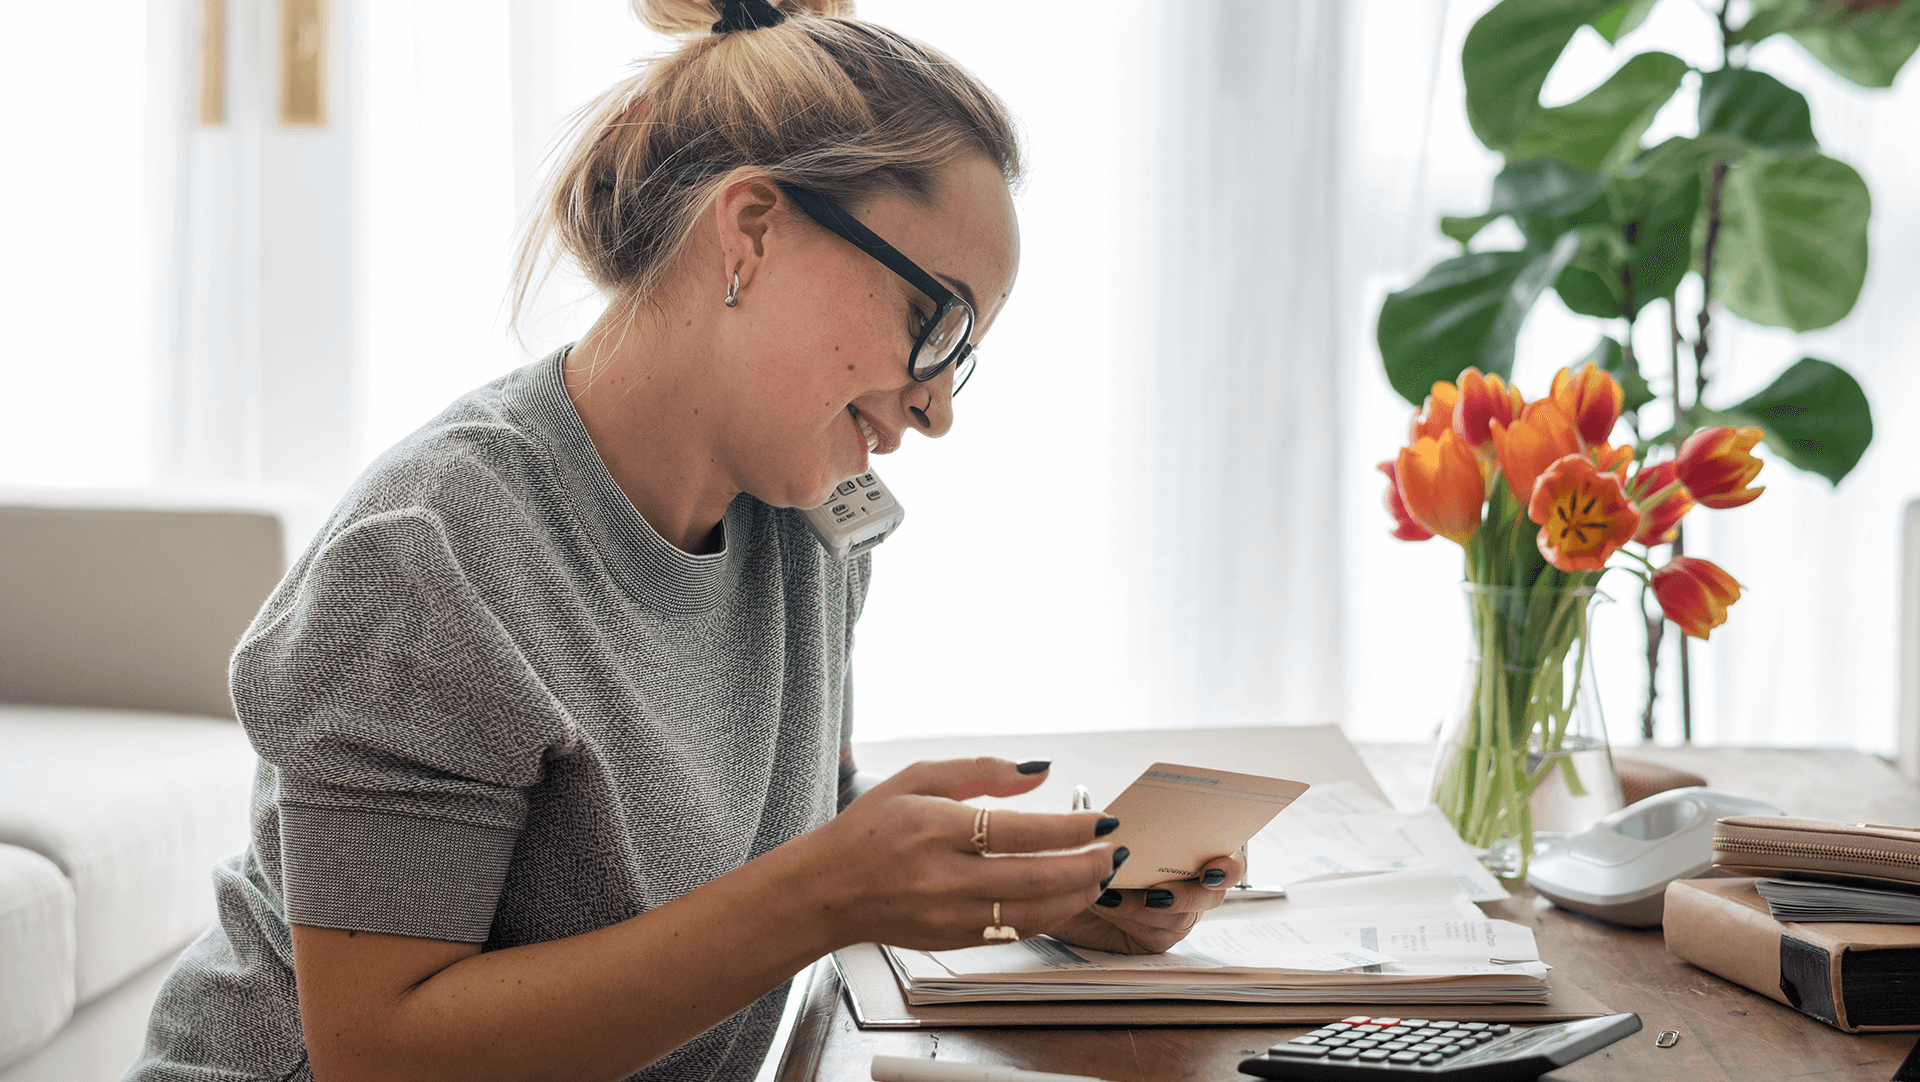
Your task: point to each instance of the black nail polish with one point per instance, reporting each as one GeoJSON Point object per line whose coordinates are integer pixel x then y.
{"type": "Point", "coordinates": [1119, 857]}
{"type": "Point", "coordinates": [1108, 899]}
{"type": "Point", "coordinates": [1034, 767]}
{"type": "Point", "coordinates": [1159, 899]}
{"type": "Point", "coordinates": [1214, 877]}
{"type": "Point", "coordinates": [1105, 827]}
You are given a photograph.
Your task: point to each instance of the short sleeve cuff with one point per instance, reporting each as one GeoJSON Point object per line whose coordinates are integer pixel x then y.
{"type": "Point", "coordinates": [397, 874]}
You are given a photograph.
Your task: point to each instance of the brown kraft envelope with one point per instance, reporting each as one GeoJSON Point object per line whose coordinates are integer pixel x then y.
{"type": "Point", "coordinates": [1174, 819]}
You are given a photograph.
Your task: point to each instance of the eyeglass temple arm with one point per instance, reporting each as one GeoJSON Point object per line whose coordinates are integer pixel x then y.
{"type": "Point", "coordinates": [827, 213]}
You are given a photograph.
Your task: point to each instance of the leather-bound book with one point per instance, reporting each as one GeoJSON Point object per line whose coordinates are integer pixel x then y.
{"type": "Point", "coordinates": [1861, 978]}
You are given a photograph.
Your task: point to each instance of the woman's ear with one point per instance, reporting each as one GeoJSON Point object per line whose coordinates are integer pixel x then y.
{"type": "Point", "coordinates": [743, 218]}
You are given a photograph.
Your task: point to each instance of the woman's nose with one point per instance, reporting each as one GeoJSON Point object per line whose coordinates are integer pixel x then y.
{"type": "Point", "coordinates": [930, 404]}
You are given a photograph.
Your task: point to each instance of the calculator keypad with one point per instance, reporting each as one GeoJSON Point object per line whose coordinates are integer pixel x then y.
{"type": "Point", "coordinates": [1386, 1041]}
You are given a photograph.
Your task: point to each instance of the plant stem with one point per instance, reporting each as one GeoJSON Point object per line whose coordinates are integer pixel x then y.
{"type": "Point", "coordinates": [1680, 430]}
{"type": "Point", "coordinates": [1656, 622]}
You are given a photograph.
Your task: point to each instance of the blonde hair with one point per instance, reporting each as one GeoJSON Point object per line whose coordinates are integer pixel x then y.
{"type": "Point", "coordinates": [822, 100]}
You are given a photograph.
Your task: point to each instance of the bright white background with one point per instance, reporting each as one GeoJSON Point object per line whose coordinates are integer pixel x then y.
{"type": "Point", "coordinates": [1118, 533]}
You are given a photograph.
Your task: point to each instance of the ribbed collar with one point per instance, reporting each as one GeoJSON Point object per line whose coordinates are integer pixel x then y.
{"type": "Point", "coordinates": [646, 565]}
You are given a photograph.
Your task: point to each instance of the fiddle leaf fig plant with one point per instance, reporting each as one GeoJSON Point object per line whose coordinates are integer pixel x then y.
{"type": "Point", "coordinates": [1775, 230]}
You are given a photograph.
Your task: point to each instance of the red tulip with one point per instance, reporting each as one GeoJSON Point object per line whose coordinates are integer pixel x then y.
{"type": "Point", "coordinates": [1440, 483]}
{"type": "Point", "coordinates": [1437, 415]}
{"type": "Point", "coordinates": [1695, 594]}
{"type": "Point", "coordinates": [1404, 527]}
{"type": "Point", "coordinates": [1584, 514]}
{"type": "Point", "coordinates": [1662, 500]}
{"type": "Point", "coordinates": [1541, 436]}
{"type": "Point", "coordinates": [1715, 465]}
{"type": "Point", "coordinates": [1591, 399]}
{"type": "Point", "coordinates": [1484, 400]}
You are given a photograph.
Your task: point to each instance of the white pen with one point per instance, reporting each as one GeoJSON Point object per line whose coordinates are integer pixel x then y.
{"type": "Point", "coordinates": [914, 1069]}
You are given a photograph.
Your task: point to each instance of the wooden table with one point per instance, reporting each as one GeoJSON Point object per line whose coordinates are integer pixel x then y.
{"type": "Point", "coordinates": [1727, 1034]}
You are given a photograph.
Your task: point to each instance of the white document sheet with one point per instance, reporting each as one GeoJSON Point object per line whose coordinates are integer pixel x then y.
{"type": "Point", "coordinates": [1339, 829]}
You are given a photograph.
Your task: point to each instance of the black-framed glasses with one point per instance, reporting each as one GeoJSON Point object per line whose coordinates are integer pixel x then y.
{"type": "Point", "coordinates": [946, 336]}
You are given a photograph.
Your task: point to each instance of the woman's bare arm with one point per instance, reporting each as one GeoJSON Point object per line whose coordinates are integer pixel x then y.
{"type": "Point", "coordinates": [895, 867]}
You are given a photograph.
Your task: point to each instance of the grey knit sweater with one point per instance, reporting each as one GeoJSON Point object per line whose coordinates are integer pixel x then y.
{"type": "Point", "coordinates": [493, 706]}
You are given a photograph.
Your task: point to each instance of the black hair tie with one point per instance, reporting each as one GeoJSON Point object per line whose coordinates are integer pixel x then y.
{"type": "Point", "coordinates": [748, 15]}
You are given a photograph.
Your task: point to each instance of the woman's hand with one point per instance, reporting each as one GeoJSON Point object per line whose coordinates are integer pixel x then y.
{"type": "Point", "coordinates": [899, 866]}
{"type": "Point", "coordinates": [1152, 920]}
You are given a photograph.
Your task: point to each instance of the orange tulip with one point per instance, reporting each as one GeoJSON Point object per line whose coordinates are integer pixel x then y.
{"type": "Point", "coordinates": [1440, 484]}
{"type": "Point", "coordinates": [1540, 437]}
{"type": "Point", "coordinates": [1404, 527]}
{"type": "Point", "coordinates": [1484, 400]}
{"type": "Point", "coordinates": [1695, 594]}
{"type": "Point", "coordinates": [1591, 399]}
{"type": "Point", "coordinates": [1662, 500]}
{"type": "Point", "coordinates": [1610, 459]}
{"type": "Point", "coordinates": [1715, 465]}
{"type": "Point", "coordinates": [1437, 415]}
{"type": "Point", "coordinates": [1584, 514]}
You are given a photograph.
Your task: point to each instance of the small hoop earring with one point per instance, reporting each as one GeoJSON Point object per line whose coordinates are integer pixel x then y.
{"type": "Point", "coordinates": [733, 291]}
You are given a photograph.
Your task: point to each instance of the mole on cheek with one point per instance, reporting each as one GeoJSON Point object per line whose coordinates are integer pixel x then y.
{"type": "Point", "coordinates": [849, 368]}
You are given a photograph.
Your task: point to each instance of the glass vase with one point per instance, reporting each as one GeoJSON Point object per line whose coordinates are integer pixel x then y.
{"type": "Point", "coordinates": [1525, 760]}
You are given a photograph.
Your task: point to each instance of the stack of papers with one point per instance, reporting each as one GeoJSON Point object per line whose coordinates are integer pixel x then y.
{"type": "Point", "coordinates": [1404, 936]}
{"type": "Point", "coordinates": [1338, 829]}
{"type": "Point", "coordinates": [1805, 900]}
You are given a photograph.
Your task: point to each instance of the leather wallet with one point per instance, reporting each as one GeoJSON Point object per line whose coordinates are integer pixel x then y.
{"type": "Point", "coordinates": [1784, 848]}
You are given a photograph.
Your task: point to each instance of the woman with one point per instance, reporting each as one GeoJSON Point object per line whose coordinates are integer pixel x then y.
{"type": "Point", "coordinates": [552, 712]}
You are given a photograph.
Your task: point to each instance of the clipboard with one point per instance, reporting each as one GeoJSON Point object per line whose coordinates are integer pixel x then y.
{"type": "Point", "coordinates": [875, 999]}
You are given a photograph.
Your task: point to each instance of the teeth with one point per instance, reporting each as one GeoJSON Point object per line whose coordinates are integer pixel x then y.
{"type": "Point", "coordinates": [873, 441]}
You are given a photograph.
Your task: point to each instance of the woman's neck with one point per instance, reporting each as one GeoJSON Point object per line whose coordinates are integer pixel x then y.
{"type": "Point", "coordinates": [646, 397]}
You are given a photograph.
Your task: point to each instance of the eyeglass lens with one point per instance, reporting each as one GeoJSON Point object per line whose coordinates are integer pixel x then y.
{"type": "Point", "coordinates": [942, 341]}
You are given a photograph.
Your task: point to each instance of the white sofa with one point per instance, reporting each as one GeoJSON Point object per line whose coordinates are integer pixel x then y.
{"type": "Point", "coordinates": [123, 776]}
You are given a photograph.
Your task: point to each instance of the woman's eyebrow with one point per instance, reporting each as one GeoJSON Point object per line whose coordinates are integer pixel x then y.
{"type": "Point", "coordinates": [962, 288]}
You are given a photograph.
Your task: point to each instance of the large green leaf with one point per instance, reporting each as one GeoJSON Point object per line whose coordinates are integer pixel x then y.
{"type": "Point", "coordinates": [1507, 56]}
{"type": "Point", "coordinates": [1543, 187]}
{"type": "Point", "coordinates": [1755, 108]}
{"type": "Point", "coordinates": [1641, 230]}
{"type": "Point", "coordinates": [1815, 416]}
{"type": "Point", "coordinates": [1603, 129]}
{"type": "Point", "coordinates": [1465, 229]}
{"type": "Point", "coordinates": [1466, 311]}
{"type": "Point", "coordinates": [1792, 250]}
{"type": "Point", "coordinates": [1865, 42]}
{"type": "Point", "coordinates": [1621, 19]}
{"type": "Point", "coordinates": [1680, 156]}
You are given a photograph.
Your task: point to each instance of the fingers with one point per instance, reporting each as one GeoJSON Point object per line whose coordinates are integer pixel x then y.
{"type": "Point", "coordinates": [1037, 832]}
{"type": "Point", "coordinates": [1081, 874]}
{"type": "Point", "coordinates": [1221, 873]}
{"type": "Point", "coordinates": [964, 779]}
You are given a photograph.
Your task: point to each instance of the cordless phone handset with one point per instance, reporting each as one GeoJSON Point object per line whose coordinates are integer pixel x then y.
{"type": "Point", "coordinates": [859, 515]}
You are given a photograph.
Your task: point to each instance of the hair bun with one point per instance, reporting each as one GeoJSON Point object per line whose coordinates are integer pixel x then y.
{"type": "Point", "coordinates": [695, 18]}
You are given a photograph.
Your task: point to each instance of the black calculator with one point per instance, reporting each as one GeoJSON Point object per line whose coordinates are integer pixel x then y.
{"type": "Point", "coordinates": [1363, 1048]}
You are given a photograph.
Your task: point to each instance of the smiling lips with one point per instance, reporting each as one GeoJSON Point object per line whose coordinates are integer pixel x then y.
{"type": "Point", "coordinates": [872, 437]}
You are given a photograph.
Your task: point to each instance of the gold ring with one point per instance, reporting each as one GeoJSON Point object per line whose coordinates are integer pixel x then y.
{"type": "Point", "coordinates": [998, 932]}
{"type": "Point", "coordinates": [980, 837]}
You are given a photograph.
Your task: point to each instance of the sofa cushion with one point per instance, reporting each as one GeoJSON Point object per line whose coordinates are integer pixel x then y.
{"type": "Point", "coordinates": [129, 607]}
{"type": "Point", "coordinates": [36, 944]}
{"type": "Point", "coordinates": [134, 809]}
